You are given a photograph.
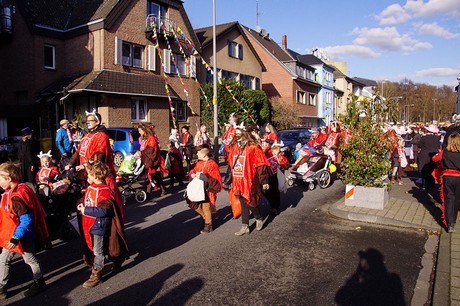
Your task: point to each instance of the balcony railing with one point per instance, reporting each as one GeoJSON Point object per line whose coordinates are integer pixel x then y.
{"type": "Point", "coordinates": [161, 25]}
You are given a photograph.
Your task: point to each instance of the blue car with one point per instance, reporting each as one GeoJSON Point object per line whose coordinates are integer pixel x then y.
{"type": "Point", "coordinates": [125, 141]}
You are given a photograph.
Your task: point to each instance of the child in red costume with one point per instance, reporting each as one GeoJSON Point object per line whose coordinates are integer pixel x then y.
{"type": "Point", "coordinates": [207, 170]}
{"type": "Point", "coordinates": [269, 137]}
{"type": "Point", "coordinates": [47, 174]}
{"type": "Point", "coordinates": [22, 222]}
{"type": "Point", "coordinates": [176, 166]}
{"type": "Point", "coordinates": [100, 221]}
{"type": "Point", "coordinates": [249, 166]}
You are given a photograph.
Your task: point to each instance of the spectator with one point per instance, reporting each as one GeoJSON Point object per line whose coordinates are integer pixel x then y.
{"type": "Point", "coordinates": [64, 141]}
{"type": "Point", "coordinates": [202, 137]}
{"type": "Point", "coordinates": [174, 138]}
{"type": "Point", "coordinates": [28, 148]}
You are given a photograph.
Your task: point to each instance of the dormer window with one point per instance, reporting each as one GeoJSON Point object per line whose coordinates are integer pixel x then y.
{"type": "Point", "coordinates": [235, 50]}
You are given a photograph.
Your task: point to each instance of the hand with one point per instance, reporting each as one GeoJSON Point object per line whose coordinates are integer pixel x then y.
{"type": "Point", "coordinates": [10, 245]}
{"type": "Point", "coordinates": [32, 168]}
{"type": "Point", "coordinates": [79, 167]}
{"type": "Point", "coordinates": [81, 208]}
{"type": "Point", "coordinates": [67, 168]}
{"type": "Point", "coordinates": [193, 175]}
{"type": "Point", "coordinates": [64, 154]}
{"type": "Point", "coordinates": [265, 186]}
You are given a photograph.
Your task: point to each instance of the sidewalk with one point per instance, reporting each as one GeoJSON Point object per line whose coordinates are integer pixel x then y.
{"type": "Point", "coordinates": [411, 207]}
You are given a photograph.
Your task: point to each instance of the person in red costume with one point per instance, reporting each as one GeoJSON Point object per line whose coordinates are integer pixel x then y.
{"type": "Point", "coordinates": [46, 174]}
{"type": "Point", "coordinates": [277, 161]}
{"type": "Point", "coordinates": [186, 146]}
{"type": "Point", "coordinates": [249, 167]}
{"type": "Point", "coordinates": [95, 146]}
{"type": "Point", "coordinates": [151, 157]}
{"type": "Point", "coordinates": [23, 223]}
{"type": "Point", "coordinates": [317, 140]}
{"type": "Point", "coordinates": [227, 137]}
{"type": "Point", "coordinates": [207, 170]}
{"type": "Point", "coordinates": [332, 142]}
{"type": "Point", "coordinates": [269, 137]}
{"type": "Point", "coordinates": [101, 224]}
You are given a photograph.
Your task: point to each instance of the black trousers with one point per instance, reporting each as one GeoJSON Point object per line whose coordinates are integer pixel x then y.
{"type": "Point", "coordinates": [245, 208]}
{"type": "Point", "coordinates": [451, 197]}
{"type": "Point", "coordinates": [273, 194]}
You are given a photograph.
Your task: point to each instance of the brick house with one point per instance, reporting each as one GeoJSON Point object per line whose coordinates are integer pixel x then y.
{"type": "Point", "coordinates": [66, 57]}
{"type": "Point", "coordinates": [236, 58]}
{"type": "Point", "coordinates": [286, 77]}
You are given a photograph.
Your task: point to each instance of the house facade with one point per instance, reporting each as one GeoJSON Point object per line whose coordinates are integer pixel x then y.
{"type": "Point", "coordinates": [131, 60]}
{"type": "Point", "coordinates": [236, 58]}
{"type": "Point", "coordinates": [286, 78]}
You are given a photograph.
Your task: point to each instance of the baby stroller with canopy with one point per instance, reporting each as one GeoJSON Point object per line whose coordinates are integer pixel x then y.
{"type": "Point", "coordinates": [312, 170]}
{"type": "Point", "coordinates": [131, 173]}
{"type": "Point", "coordinates": [59, 203]}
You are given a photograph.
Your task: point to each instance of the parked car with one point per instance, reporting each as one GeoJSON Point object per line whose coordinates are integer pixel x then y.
{"type": "Point", "coordinates": [125, 141]}
{"type": "Point", "coordinates": [291, 138]}
{"type": "Point", "coordinates": [9, 148]}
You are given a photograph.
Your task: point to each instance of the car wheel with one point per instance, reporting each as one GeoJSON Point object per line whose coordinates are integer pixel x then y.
{"type": "Point", "coordinates": [324, 179]}
{"type": "Point", "coordinates": [118, 158]}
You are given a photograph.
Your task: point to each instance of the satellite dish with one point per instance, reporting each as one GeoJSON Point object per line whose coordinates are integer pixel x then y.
{"type": "Point", "coordinates": [258, 29]}
{"type": "Point", "coordinates": [263, 32]}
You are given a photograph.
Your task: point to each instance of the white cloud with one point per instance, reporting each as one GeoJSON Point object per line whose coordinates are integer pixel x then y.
{"type": "Point", "coordinates": [393, 14]}
{"type": "Point", "coordinates": [388, 38]}
{"type": "Point", "coordinates": [420, 8]}
{"type": "Point", "coordinates": [436, 30]}
{"type": "Point", "coordinates": [396, 13]}
{"type": "Point", "coordinates": [438, 72]}
{"type": "Point", "coordinates": [337, 52]}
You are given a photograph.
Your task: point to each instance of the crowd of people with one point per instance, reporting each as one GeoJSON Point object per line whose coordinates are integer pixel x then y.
{"type": "Point", "coordinates": [256, 168]}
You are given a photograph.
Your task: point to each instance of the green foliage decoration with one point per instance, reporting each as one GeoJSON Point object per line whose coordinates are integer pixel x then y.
{"type": "Point", "coordinates": [365, 157]}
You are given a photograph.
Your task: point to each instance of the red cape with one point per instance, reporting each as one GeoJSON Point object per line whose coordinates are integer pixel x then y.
{"type": "Point", "coordinates": [9, 221]}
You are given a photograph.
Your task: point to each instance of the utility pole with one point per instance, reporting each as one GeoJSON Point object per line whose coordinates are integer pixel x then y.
{"type": "Point", "coordinates": [457, 89]}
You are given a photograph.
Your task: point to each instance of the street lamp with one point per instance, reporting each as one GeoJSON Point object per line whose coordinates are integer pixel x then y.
{"type": "Point", "coordinates": [457, 89]}
{"type": "Point", "coordinates": [214, 97]}
{"type": "Point", "coordinates": [434, 108]}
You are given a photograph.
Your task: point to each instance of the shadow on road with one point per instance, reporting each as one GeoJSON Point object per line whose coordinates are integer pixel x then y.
{"type": "Point", "coordinates": [371, 284]}
{"type": "Point", "coordinates": [144, 292]}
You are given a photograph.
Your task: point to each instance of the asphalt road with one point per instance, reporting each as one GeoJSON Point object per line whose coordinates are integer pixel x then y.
{"type": "Point", "coordinates": [304, 256]}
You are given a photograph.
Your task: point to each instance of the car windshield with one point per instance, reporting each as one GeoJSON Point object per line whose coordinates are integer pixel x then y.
{"type": "Point", "coordinates": [284, 136]}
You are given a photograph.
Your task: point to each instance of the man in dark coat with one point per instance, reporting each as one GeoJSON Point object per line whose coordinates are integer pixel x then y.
{"type": "Point", "coordinates": [28, 149]}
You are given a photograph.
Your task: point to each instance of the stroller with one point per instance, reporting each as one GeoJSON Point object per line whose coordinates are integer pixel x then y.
{"type": "Point", "coordinates": [59, 203]}
{"type": "Point", "coordinates": [312, 170]}
{"type": "Point", "coordinates": [130, 173]}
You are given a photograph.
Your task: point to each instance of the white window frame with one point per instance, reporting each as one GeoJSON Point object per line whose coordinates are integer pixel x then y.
{"type": "Point", "coordinates": [152, 58]}
{"type": "Point", "coordinates": [53, 51]}
{"type": "Point", "coordinates": [300, 97]}
{"type": "Point", "coordinates": [137, 104]}
{"type": "Point", "coordinates": [235, 49]}
{"type": "Point", "coordinates": [311, 99]}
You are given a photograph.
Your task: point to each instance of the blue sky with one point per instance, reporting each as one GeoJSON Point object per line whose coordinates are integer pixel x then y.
{"type": "Point", "coordinates": [379, 40]}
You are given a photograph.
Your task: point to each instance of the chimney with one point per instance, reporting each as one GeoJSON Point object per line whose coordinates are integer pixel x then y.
{"type": "Point", "coordinates": [284, 42]}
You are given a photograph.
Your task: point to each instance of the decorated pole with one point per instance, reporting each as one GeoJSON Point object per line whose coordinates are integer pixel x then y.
{"type": "Point", "coordinates": [214, 79]}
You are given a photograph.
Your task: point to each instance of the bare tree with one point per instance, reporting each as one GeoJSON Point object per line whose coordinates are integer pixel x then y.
{"type": "Point", "coordinates": [284, 114]}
